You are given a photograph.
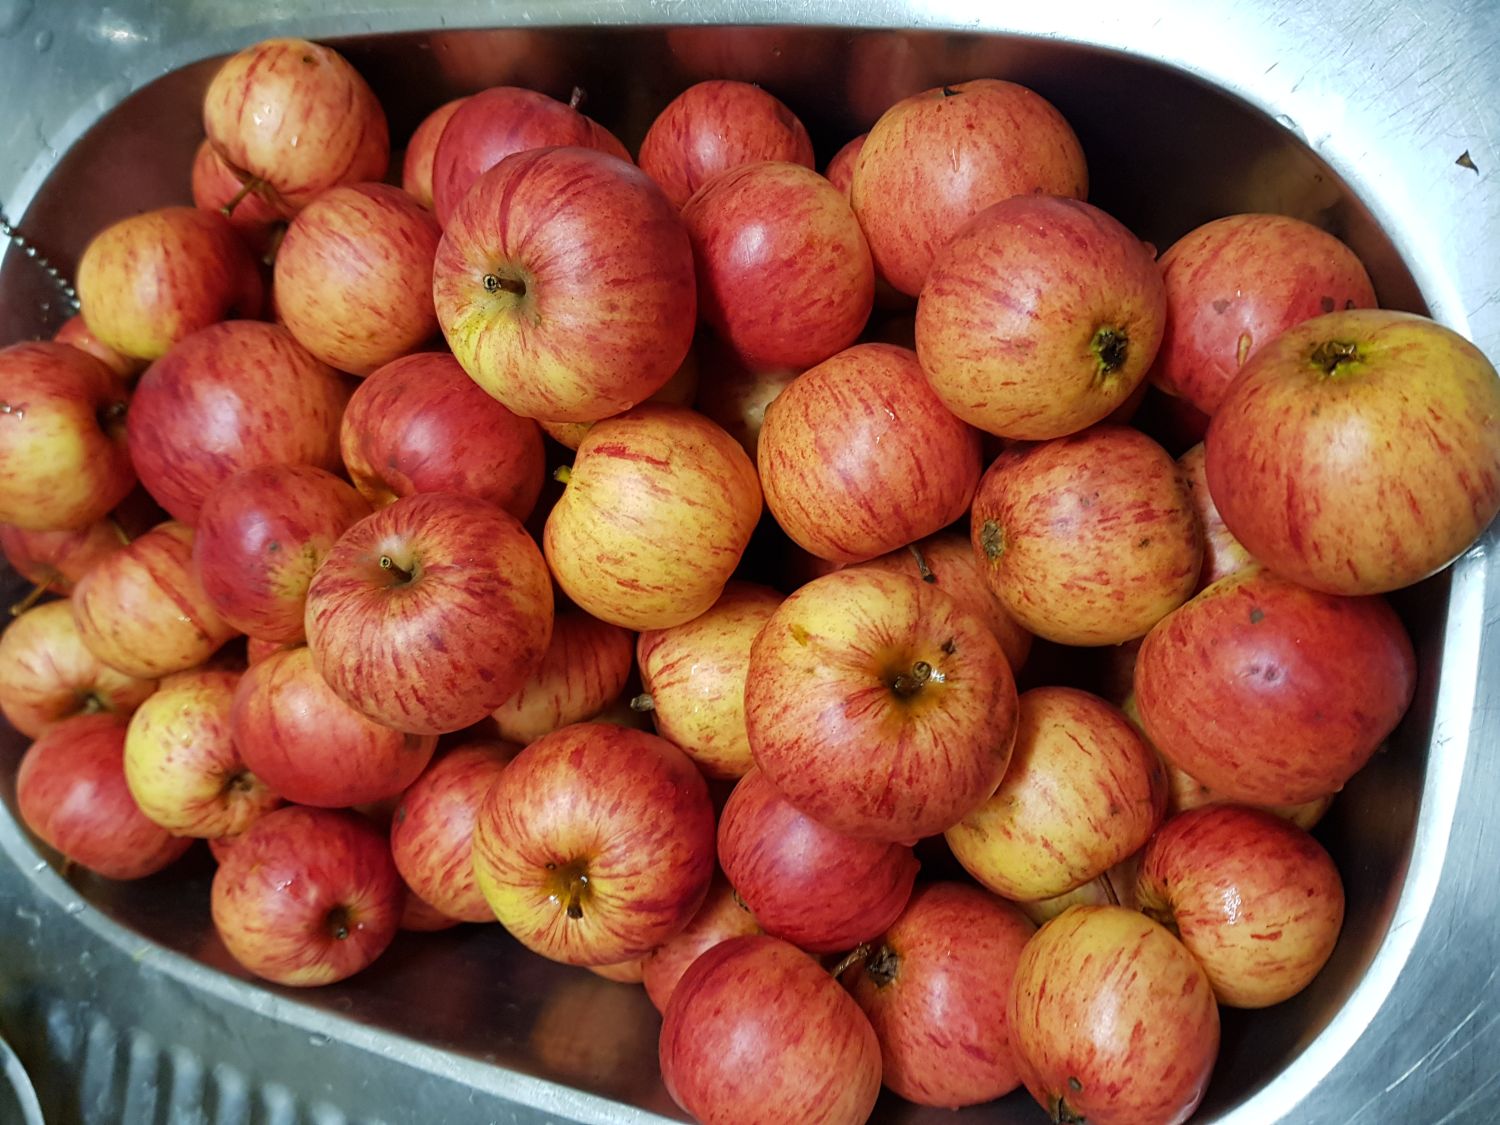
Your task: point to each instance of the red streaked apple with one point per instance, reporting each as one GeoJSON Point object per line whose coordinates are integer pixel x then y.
{"type": "Point", "coordinates": [307, 896]}
{"type": "Point", "coordinates": [429, 614]}
{"type": "Point", "coordinates": [878, 706]}
{"type": "Point", "coordinates": [256, 651]}
{"type": "Point", "coordinates": [55, 560]}
{"type": "Point", "coordinates": [422, 917]}
{"type": "Point", "coordinates": [721, 917]}
{"type": "Point", "coordinates": [680, 390]}
{"type": "Point", "coordinates": [858, 456]}
{"type": "Point", "coordinates": [596, 844]}
{"type": "Point", "coordinates": [1223, 554]}
{"type": "Point", "coordinates": [216, 188]}
{"type": "Point", "coordinates": [564, 285]}
{"type": "Point", "coordinates": [582, 672]}
{"type": "Point", "coordinates": [421, 149]}
{"type": "Point", "coordinates": [840, 170]}
{"type": "Point", "coordinates": [75, 333]}
{"type": "Point", "coordinates": [1116, 887]}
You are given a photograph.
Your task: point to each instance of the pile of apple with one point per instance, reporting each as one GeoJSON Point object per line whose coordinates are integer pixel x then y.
{"type": "Point", "coordinates": [431, 650]}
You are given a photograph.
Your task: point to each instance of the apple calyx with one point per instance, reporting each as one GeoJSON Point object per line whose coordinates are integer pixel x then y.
{"type": "Point", "coordinates": [992, 540]}
{"type": "Point", "coordinates": [241, 781]}
{"type": "Point", "coordinates": [643, 703]}
{"type": "Point", "coordinates": [337, 921]}
{"type": "Point", "coordinates": [1110, 346]}
{"type": "Point", "coordinates": [883, 965]}
{"type": "Point", "coordinates": [1336, 357]}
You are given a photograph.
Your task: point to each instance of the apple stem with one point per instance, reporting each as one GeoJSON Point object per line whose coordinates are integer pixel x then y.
{"type": "Point", "coordinates": [246, 188]}
{"type": "Point", "coordinates": [576, 886]}
{"type": "Point", "coordinates": [1109, 890]}
{"type": "Point", "coordinates": [908, 684]}
{"type": "Point", "coordinates": [577, 98]}
{"type": "Point", "coordinates": [562, 474]}
{"type": "Point", "coordinates": [923, 569]}
{"type": "Point", "coordinates": [338, 923]}
{"type": "Point", "coordinates": [29, 600]}
{"type": "Point", "coordinates": [494, 283]}
{"type": "Point", "coordinates": [120, 533]}
{"type": "Point", "coordinates": [388, 563]}
{"type": "Point", "coordinates": [854, 957]}
{"type": "Point", "coordinates": [643, 703]}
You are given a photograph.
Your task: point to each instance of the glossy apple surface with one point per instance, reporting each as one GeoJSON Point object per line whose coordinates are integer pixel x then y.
{"type": "Point", "coordinates": [582, 672]}
{"type": "Point", "coordinates": [721, 917]}
{"type": "Point", "coordinates": [421, 150]}
{"type": "Point", "coordinates": [216, 188]}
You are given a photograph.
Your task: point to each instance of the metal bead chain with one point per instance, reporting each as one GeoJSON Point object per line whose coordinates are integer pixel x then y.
{"type": "Point", "coordinates": [25, 245]}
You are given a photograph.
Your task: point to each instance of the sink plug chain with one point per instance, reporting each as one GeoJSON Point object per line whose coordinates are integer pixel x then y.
{"type": "Point", "coordinates": [27, 247]}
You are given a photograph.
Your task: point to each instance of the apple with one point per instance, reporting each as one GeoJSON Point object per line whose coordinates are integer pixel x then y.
{"type": "Point", "coordinates": [1256, 900]}
{"type": "Point", "coordinates": [48, 674]}
{"type": "Point", "coordinates": [153, 279]}
{"type": "Point", "coordinates": [680, 390]}
{"type": "Point", "coordinates": [840, 170]}
{"type": "Point", "coordinates": [216, 188]}
{"type": "Point", "coordinates": [1089, 539]}
{"type": "Point", "coordinates": [1234, 285]}
{"type": "Point", "coordinates": [659, 507]}
{"type": "Point", "coordinates": [935, 987]}
{"type": "Point", "coordinates": [626, 972]}
{"type": "Point", "coordinates": [421, 151]}
{"type": "Point", "coordinates": [1083, 792]}
{"type": "Point", "coordinates": [419, 424]}
{"type": "Point", "coordinates": [1223, 554]}
{"type": "Point", "coordinates": [429, 614]}
{"type": "Point", "coordinates": [143, 611]}
{"type": "Point", "coordinates": [1270, 693]}
{"type": "Point", "coordinates": [734, 396]}
{"type": "Point", "coordinates": [181, 762]}
{"type": "Point", "coordinates": [596, 844]}
{"type": "Point", "coordinates": [935, 159]}
{"type": "Point", "coordinates": [432, 830]}
{"type": "Point", "coordinates": [1113, 1021]}
{"type": "Point", "coordinates": [421, 917]}
{"type": "Point", "coordinates": [758, 1034]}
{"type": "Point", "coordinates": [582, 672]}
{"type": "Point", "coordinates": [63, 458]}
{"type": "Point", "coordinates": [564, 284]}
{"type": "Point", "coordinates": [55, 560]}
{"type": "Point", "coordinates": [1186, 792]}
{"type": "Point", "coordinates": [722, 916]}
{"type": "Point", "coordinates": [307, 896]}
{"type": "Point", "coordinates": [257, 650]}
{"type": "Point", "coordinates": [1116, 887]}
{"type": "Point", "coordinates": [816, 888]}
{"type": "Point", "coordinates": [354, 276]}
{"type": "Point", "coordinates": [715, 126]}
{"type": "Point", "coordinates": [293, 119]}
{"type": "Point", "coordinates": [878, 706]}
{"type": "Point", "coordinates": [499, 122]}
{"type": "Point", "coordinates": [71, 792]}
{"type": "Point", "coordinates": [858, 456]}
{"type": "Point", "coordinates": [1039, 318]}
{"type": "Point", "coordinates": [75, 332]}
{"type": "Point", "coordinates": [1359, 452]}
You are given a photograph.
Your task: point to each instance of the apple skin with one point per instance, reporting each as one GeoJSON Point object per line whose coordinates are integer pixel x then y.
{"type": "Point", "coordinates": [75, 333]}
{"type": "Point", "coordinates": [596, 844]}
{"type": "Point", "coordinates": [294, 119]}
{"type": "Point", "coordinates": [421, 917]}
{"type": "Point", "coordinates": [840, 170]}
{"type": "Point", "coordinates": [734, 396]}
{"type": "Point", "coordinates": [1089, 539]}
{"type": "Point", "coordinates": [721, 917]}
{"type": "Point", "coordinates": [1256, 900]}
{"type": "Point", "coordinates": [680, 390]}
{"type": "Point", "coordinates": [582, 672]}
{"type": "Point", "coordinates": [55, 560]}
{"type": "Point", "coordinates": [153, 279]}
{"type": "Point", "coordinates": [234, 396]}
{"type": "Point", "coordinates": [1270, 693]}
{"type": "Point", "coordinates": [564, 285]}
{"type": "Point", "coordinates": [310, 746]}
{"type": "Point", "coordinates": [879, 707]}
{"type": "Point", "coordinates": [71, 792]}
{"type": "Point", "coordinates": [1116, 887]}
{"type": "Point", "coordinates": [659, 508]}
{"type": "Point", "coordinates": [807, 884]}
{"type": "Point", "coordinates": [63, 457]}
{"type": "Point", "coordinates": [1223, 554]}
{"type": "Point", "coordinates": [935, 159]}
{"type": "Point", "coordinates": [432, 830]}
{"type": "Point", "coordinates": [784, 275]}
{"type": "Point", "coordinates": [307, 896]}
{"type": "Point", "coordinates": [215, 186]}
{"type": "Point", "coordinates": [715, 126]}
{"type": "Point", "coordinates": [142, 610]}
{"type": "Point", "coordinates": [429, 614]}
{"type": "Point", "coordinates": [181, 762]}
{"type": "Point", "coordinates": [499, 122]}
{"type": "Point", "coordinates": [353, 276]}
{"type": "Point", "coordinates": [419, 424]}
{"type": "Point", "coordinates": [758, 1034]}
{"type": "Point", "coordinates": [1234, 285]}
{"type": "Point", "coordinates": [260, 537]}
{"type": "Point", "coordinates": [47, 673]}
{"type": "Point", "coordinates": [694, 678]}
{"type": "Point", "coordinates": [421, 150]}
{"type": "Point", "coordinates": [1083, 792]}
{"type": "Point", "coordinates": [1039, 318]}
{"type": "Point", "coordinates": [858, 456]}
{"type": "Point", "coordinates": [1368, 478]}
{"type": "Point", "coordinates": [935, 988]}
{"type": "Point", "coordinates": [1113, 1021]}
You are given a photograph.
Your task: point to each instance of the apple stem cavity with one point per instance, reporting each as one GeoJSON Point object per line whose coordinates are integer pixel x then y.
{"type": "Point", "coordinates": [1335, 357]}
{"type": "Point", "coordinates": [643, 703]}
{"type": "Point", "coordinates": [854, 957]}
{"type": "Point", "coordinates": [1110, 346]}
{"type": "Point", "coordinates": [907, 684]}
{"type": "Point", "coordinates": [338, 923]}
{"type": "Point", "coordinates": [923, 570]}
{"type": "Point", "coordinates": [29, 600]}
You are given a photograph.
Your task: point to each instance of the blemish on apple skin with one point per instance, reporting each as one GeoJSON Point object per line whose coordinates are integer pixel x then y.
{"type": "Point", "coordinates": [1221, 305]}
{"type": "Point", "coordinates": [1256, 616]}
{"type": "Point", "coordinates": [799, 634]}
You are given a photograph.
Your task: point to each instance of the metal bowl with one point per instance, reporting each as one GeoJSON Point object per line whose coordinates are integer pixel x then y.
{"type": "Point", "coordinates": [1377, 125]}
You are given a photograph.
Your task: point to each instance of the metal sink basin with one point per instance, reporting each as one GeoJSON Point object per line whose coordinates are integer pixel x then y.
{"type": "Point", "coordinates": [1378, 125]}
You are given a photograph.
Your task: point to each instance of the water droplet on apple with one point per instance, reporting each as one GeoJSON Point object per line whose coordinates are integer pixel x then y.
{"type": "Point", "coordinates": [43, 40]}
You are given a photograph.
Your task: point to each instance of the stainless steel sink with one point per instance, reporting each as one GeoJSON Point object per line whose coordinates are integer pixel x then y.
{"type": "Point", "coordinates": [1378, 124]}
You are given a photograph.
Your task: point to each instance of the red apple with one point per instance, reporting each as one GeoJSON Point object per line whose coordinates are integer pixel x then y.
{"type": "Point", "coordinates": [1185, 792]}
{"type": "Point", "coordinates": [1039, 318]}
{"type": "Point", "coordinates": [1359, 452]}
{"type": "Point", "coordinates": [879, 707]}
{"type": "Point", "coordinates": [75, 333]}
{"type": "Point", "coordinates": [937, 158]}
{"type": "Point", "coordinates": [758, 1034]}
{"type": "Point", "coordinates": [1223, 554]}
{"type": "Point", "coordinates": [596, 844]}
{"type": "Point", "coordinates": [935, 987]}
{"type": "Point", "coordinates": [626, 972]}
{"type": "Point", "coordinates": [256, 651]}
{"type": "Point", "coordinates": [715, 126]}
{"type": "Point", "coordinates": [734, 396]}
{"type": "Point", "coordinates": [840, 170]}
{"type": "Point", "coordinates": [419, 424]}
{"type": "Point", "coordinates": [429, 614]}
{"type": "Point", "coordinates": [582, 672]}
{"type": "Point", "coordinates": [1234, 285]}
{"type": "Point", "coordinates": [1113, 1020]}
{"type": "Point", "coordinates": [1116, 887]}
{"type": "Point", "coordinates": [71, 792]}
{"type": "Point", "coordinates": [217, 188]}
{"type": "Point", "coordinates": [1089, 539]}
{"type": "Point", "coordinates": [859, 456]}
{"type": "Point", "coordinates": [721, 917]}
{"type": "Point", "coordinates": [564, 285]}
{"type": "Point", "coordinates": [680, 390]}
{"type": "Point", "coordinates": [421, 917]}
{"type": "Point", "coordinates": [1271, 693]}
{"type": "Point", "coordinates": [56, 560]}
{"type": "Point", "coordinates": [63, 459]}
{"type": "Point", "coordinates": [307, 896]}
{"type": "Point", "coordinates": [421, 150]}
